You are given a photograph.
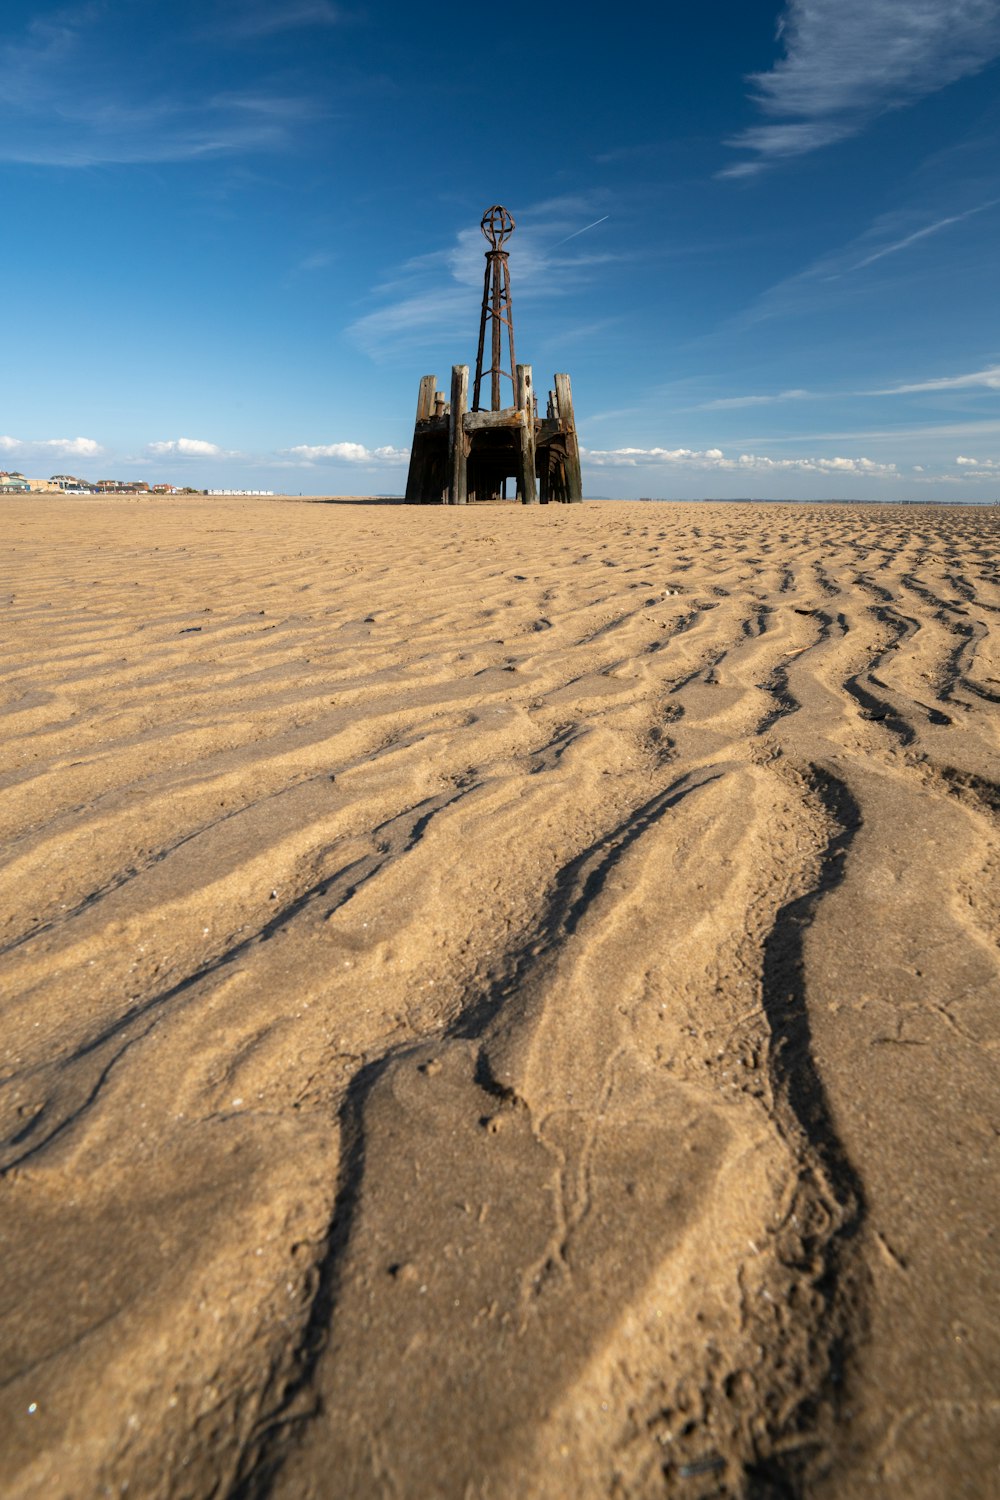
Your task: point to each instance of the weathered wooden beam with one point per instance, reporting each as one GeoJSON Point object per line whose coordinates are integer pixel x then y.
{"type": "Point", "coordinates": [425, 400]}
{"type": "Point", "coordinates": [574, 477]}
{"type": "Point", "coordinates": [458, 467]}
{"type": "Point", "coordinates": [526, 466]}
{"type": "Point", "coordinates": [477, 420]}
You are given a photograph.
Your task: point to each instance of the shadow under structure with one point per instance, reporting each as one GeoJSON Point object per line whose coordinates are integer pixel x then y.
{"type": "Point", "coordinates": [461, 454]}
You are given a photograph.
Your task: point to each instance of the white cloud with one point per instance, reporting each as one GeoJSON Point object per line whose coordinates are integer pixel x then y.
{"type": "Point", "coordinates": [866, 466]}
{"type": "Point", "coordinates": [713, 458]}
{"type": "Point", "coordinates": [351, 453]}
{"type": "Point", "coordinates": [632, 458]}
{"type": "Point", "coordinates": [847, 61]}
{"type": "Point", "coordinates": [983, 465]}
{"type": "Point", "coordinates": [989, 379]}
{"type": "Point", "coordinates": [191, 447]}
{"type": "Point", "coordinates": [79, 447]}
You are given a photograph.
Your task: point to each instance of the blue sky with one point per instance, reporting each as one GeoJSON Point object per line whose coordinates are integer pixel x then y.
{"type": "Point", "coordinates": [236, 234]}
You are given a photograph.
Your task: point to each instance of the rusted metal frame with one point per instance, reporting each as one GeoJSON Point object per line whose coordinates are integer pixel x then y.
{"type": "Point", "coordinates": [497, 309]}
{"type": "Point", "coordinates": [495, 332]}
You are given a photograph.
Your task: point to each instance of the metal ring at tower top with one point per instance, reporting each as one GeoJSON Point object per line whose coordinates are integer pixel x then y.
{"type": "Point", "coordinates": [497, 225]}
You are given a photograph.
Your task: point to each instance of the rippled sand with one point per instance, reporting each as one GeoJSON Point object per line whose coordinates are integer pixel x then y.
{"type": "Point", "coordinates": [500, 1003]}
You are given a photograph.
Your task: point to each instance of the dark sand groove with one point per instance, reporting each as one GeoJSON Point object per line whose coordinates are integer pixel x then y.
{"type": "Point", "coordinates": [517, 1018]}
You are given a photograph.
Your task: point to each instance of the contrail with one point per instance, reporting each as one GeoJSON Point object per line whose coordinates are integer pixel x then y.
{"type": "Point", "coordinates": [921, 234]}
{"type": "Point", "coordinates": [579, 231]}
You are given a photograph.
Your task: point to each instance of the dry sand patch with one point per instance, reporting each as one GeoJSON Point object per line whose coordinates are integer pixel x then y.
{"type": "Point", "coordinates": [500, 1003]}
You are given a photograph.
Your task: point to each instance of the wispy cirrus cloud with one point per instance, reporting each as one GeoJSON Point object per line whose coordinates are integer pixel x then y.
{"type": "Point", "coordinates": [920, 234]}
{"type": "Point", "coordinates": [889, 234]}
{"type": "Point", "coordinates": [433, 299]}
{"type": "Point", "coordinates": [734, 403]}
{"type": "Point", "coordinates": [318, 260]}
{"type": "Point", "coordinates": [48, 119]}
{"type": "Point", "coordinates": [848, 61]}
{"type": "Point", "coordinates": [988, 379]}
{"type": "Point", "coordinates": [252, 21]}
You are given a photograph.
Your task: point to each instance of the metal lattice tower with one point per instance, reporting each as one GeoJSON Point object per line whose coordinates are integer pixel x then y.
{"type": "Point", "coordinates": [497, 225]}
{"type": "Point", "coordinates": [460, 456]}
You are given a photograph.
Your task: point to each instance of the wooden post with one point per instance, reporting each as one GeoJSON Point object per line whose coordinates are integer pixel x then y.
{"type": "Point", "coordinates": [458, 481]}
{"type": "Point", "coordinates": [574, 478]}
{"type": "Point", "coordinates": [425, 401]}
{"type": "Point", "coordinates": [416, 476]}
{"type": "Point", "coordinates": [526, 464]}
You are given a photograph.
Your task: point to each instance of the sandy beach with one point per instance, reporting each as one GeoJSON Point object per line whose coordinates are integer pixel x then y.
{"type": "Point", "coordinates": [500, 1003]}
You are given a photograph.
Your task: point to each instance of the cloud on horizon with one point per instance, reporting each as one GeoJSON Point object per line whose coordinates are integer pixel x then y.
{"type": "Point", "coordinates": [79, 447]}
{"type": "Point", "coordinates": [848, 61]}
{"type": "Point", "coordinates": [309, 454]}
{"type": "Point", "coordinates": [713, 458]}
{"type": "Point", "coordinates": [189, 448]}
{"type": "Point", "coordinates": [978, 468]}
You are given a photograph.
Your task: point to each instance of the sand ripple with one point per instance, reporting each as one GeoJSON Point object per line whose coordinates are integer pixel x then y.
{"type": "Point", "coordinates": [500, 1004]}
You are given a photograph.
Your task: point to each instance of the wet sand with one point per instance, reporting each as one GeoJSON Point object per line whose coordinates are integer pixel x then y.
{"type": "Point", "coordinates": [500, 1003]}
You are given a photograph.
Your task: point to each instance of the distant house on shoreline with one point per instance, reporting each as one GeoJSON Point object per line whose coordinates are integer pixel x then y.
{"type": "Point", "coordinates": [69, 483]}
{"type": "Point", "coordinates": [13, 483]}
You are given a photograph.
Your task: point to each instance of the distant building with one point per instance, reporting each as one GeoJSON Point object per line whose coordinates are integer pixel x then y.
{"type": "Point", "coordinates": [164, 489]}
{"type": "Point", "coordinates": [71, 485]}
{"type": "Point", "coordinates": [13, 484]}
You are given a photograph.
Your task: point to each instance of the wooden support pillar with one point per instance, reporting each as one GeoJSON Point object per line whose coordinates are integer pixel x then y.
{"type": "Point", "coordinates": [525, 394]}
{"type": "Point", "coordinates": [416, 476]}
{"type": "Point", "coordinates": [574, 477]}
{"type": "Point", "coordinates": [425, 401]}
{"type": "Point", "coordinates": [458, 468]}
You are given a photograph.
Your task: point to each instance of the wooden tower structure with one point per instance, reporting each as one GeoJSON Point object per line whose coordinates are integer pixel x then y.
{"type": "Point", "coordinates": [462, 454]}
